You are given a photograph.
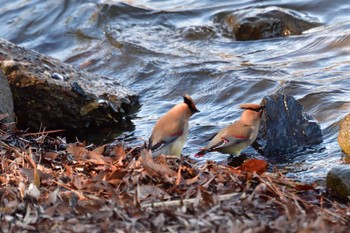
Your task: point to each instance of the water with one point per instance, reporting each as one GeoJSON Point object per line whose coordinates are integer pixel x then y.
{"type": "Point", "coordinates": [163, 49]}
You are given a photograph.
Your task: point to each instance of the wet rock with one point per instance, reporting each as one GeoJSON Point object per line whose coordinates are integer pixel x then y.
{"type": "Point", "coordinates": [344, 134]}
{"type": "Point", "coordinates": [263, 23]}
{"type": "Point", "coordinates": [285, 127]}
{"type": "Point", "coordinates": [197, 32]}
{"type": "Point", "coordinates": [338, 179]}
{"type": "Point", "coordinates": [6, 103]}
{"type": "Point", "coordinates": [53, 94]}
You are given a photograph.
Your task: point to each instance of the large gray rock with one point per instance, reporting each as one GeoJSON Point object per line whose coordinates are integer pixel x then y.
{"type": "Point", "coordinates": [53, 94]}
{"type": "Point", "coordinates": [6, 102]}
{"type": "Point", "coordinates": [263, 23]}
{"type": "Point", "coordinates": [338, 179]}
{"type": "Point", "coordinates": [285, 127]}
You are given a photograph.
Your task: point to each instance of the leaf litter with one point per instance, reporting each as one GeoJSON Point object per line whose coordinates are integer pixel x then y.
{"type": "Point", "coordinates": [48, 185]}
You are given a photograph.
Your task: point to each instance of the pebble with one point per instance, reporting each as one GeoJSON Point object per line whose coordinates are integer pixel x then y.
{"type": "Point", "coordinates": [57, 76]}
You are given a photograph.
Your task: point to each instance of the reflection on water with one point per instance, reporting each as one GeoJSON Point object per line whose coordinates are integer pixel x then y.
{"type": "Point", "coordinates": [163, 49]}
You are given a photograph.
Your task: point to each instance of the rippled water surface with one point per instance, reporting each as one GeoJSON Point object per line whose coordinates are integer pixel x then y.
{"type": "Point", "coordinates": [163, 49]}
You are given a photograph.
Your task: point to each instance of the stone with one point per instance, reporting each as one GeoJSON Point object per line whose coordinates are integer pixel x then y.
{"type": "Point", "coordinates": [344, 134]}
{"type": "Point", "coordinates": [338, 179]}
{"type": "Point", "coordinates": [285, 127]}
{"type": "Point", "coordinates": [263, 23]}
{"type": "Point", "coordinates": [6, 103]}
{"type": "Point", "coordinates": [49, 93]}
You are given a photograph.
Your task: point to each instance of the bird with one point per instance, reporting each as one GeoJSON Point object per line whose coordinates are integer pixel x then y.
{"type": "Point", "coordinates": [170, 132]}
{"type": "Point", "coordinates": [237, 136]}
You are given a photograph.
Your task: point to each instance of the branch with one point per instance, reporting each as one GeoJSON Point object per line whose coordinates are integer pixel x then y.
{"type": "Point", "coordinates": [189, 201]}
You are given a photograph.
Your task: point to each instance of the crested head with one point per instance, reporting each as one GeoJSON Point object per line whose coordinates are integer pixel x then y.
{"type": "Point", "coordinates": [251, 113]}
{"type": "Point", "coordinates": [190, 103]}
{"type": "Point", "coordinates": [253, 107]}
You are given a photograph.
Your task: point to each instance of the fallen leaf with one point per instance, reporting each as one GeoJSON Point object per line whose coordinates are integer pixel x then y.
{"type": "Point", "coordinates": [36, 177]}
{"type": "Point", "coordinates": [154, 169]}
{"type": "Point", "coordinates": [304, 187]}
{"type": "Point", "coordinates": [254, 165]}
{"type": "Point", "coordinates": [117, 174]}
{"type": "Point", "coordinates": [33, 191]}
{"type": "Point", "coordinates": [78, 152]}
{"type": "Point", "coordinates": [50, 155]}
{"type": "Point", "coordinates": [192, 180]}
{"type": "Point", "coordinates": [52, 198]}
{"type": "Point", "coordinates": [21, 188]}
{"type": "Point", "coordinates": [69, 170]}
{"type": "Point", "coordinates": [147, 191]}
{"type": "Point", "coordinates": [178, 177]}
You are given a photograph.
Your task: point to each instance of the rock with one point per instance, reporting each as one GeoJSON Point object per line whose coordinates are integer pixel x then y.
{"type": "Point", "coordinates": [6, 102]}
{"type": "Point", "coordinates": [344, 134]}
{"type": "Point", "coordinates": [263, 23]}
{"type": "Point", "coordinates": [197, 32]}
{"type": "Point", "coordinates": [338, 179]}
{"type": "Point", "coordinates": [285, 127]}
{"type": "Point", "coordinates": [55, 95]}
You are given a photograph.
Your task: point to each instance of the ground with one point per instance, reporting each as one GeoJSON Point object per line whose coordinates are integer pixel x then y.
{"type": "Point", "coordinates": [48, 185]}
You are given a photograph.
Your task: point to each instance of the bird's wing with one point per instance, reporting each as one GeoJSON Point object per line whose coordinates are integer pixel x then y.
{"type": "Point", "coordinates": [227, 141]}
{"type": "Point", "coordinates": [211, 137]}
{"type": "Point", "coordinates": [164, 141]}
{"type": "Point", "coordinates": [236, 136]}
{"type": "Point", "coordinates": [223, 142]}
{"type": "Point", "coordinates": [165, 131]}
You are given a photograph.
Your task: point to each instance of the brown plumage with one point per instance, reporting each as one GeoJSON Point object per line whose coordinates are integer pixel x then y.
{"type": "Point", "coordinates": [171, 130]}
{"type": "Point", "coordinates": [237, 136]}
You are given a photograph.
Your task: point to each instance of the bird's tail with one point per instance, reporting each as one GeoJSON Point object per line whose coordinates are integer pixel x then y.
{"type": "Point", "coordinates": [201, 153]}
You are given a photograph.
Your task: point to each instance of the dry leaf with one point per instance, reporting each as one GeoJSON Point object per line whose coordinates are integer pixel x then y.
{"type": "Point", "coordinates": [50, 155]}
{"type": "Point", "coordinates": [78, 152]}
{"type": "Point", "coordinates": [52, 198]}
{"type": "Point", "coordinates": [36, 177]}
{"type": "Point", "coordinates": [254, 165]}
{"type": "Point", "coordinates": [152, 192]}
{"type": "Point", "coordinates": [117, 174]}
{"type": "Point", "coordinates": [33, 191]}
{"type": "Point", "coordinates": [21, 188]}
{"type": "Point", "coordinates": [99, 193]}
{"type": "Point", "coordinates": [155, 169]}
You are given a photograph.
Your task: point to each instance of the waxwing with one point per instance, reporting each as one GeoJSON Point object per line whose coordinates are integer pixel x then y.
{"type": "Point", "coordinates": [237, 136]}
{"type": "Point", "coordinates": [171, 130]}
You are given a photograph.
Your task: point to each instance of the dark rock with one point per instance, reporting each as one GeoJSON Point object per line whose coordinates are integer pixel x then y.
{"type": "Point", "coordinates": [197, 32]}
{"type": "Point", "coordinates": [263, 23]}
{"type": "Point", "coordinates": [6, 102]}
{"type": "Point", "coordinates": [338, 179]}
{"type": "Point", "coordinates": [285, 127]}
{"type": "Point", "coordinates": [344, 134]}
{"type": "Point", "coordinates": [49, 93]}
{"type": "Point", "coordinates": [78, 89]}
{"type": "Point", "coordinates": [56, 76]}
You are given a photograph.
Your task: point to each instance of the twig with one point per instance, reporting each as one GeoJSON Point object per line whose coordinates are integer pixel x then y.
{"type": "Point", "coordinates": [171, 157]}
{"type": "Point", "coordinates": [5, 145]}
{"type": "Point", "coordinates": [44, 132]}
{"type": "Point", "coordinates": [189, 201]}
{"type": "Point", "coordinates": [13, 149]}
{"type": "Point", "coordinates": [79, 194]}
